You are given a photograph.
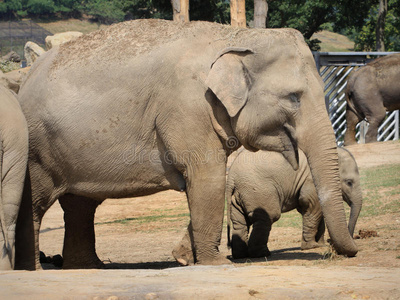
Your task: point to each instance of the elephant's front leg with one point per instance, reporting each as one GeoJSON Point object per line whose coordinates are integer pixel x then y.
{"type": "Point", "coordinates": [313, 223]}
{"type": "Point", "coordinates": [79, 239]}
{"type": "Point", "coordinates": [205, 191]}
{"type": "Point", "coordinates": [183, 252]}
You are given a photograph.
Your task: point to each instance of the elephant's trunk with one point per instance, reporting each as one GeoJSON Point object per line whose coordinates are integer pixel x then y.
{"type": "Point", "coordinates": [355, 208]}
{"type": "Point", "coordinates": [318, 143]}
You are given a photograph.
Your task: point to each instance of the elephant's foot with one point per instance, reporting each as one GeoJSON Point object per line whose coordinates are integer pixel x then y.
{"type": "Point", "coordinates": [259, 251]}
{"type": "Point", "coordinates": [82, 263]}
{"type": "Point", "coordinates": [219, 259]}
{"type": "Point", "coordinates": [183, 255]}
{"type": "Point", "coordinates": [239, 248]}
{"type": "Point", "coordinates": [311, 245]}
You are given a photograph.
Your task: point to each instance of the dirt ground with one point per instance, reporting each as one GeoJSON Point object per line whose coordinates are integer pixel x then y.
{"type": "Point", "coordinates": [134, 237]}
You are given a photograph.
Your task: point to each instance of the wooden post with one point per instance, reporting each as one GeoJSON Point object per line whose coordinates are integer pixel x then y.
{"type": "Point", "coordinates": [181, 10]}
{"type": "Point", "coordinates": [238, 13]}
{"type": "Point", "coordinates": [260, 13]}
{"type": "Point", "coordinates": [380, 26]}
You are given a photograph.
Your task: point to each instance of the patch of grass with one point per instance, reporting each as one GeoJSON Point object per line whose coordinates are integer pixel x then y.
{"type": "Point", "coordinates": [381, 190]}
{"type": "Point", "coordinates": [83, 26]}
{"type": "Point", "coordinates": [146, 219]}
{"type": "Point", "coordinates": [333, 42]}
{"type": "Point", "coordinates": [290, 219]}
{"type": "Point", "coordinates": [382, 176]}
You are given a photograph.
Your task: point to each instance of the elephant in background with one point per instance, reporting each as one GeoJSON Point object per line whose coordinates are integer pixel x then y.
{"type": "Point", "coordinates": [13, 163]}
{"type": "Point", "coordinates": [150, 105]}
{"type": "Point", "coordinates": [371, 91]}
{"type": "Point", "coordinates": [263, 185]}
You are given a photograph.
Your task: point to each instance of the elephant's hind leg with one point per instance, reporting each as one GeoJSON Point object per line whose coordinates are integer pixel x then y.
{"type": "Point", "coordinates": [374, 120]}
{"type": "Point", "coordinates": [79, 239]}
{"type": "Point", "coordinates": [33, 207]}
{"type": "Point", "coordinates": [351, 122]}
{"type": "Point", "coordinates": [262, 223]}
{"type": "Point", "coordinates": [240, 231]}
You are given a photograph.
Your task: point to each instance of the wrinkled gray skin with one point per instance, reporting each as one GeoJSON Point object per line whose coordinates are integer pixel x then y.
{"type": "Point", "coordinates": [13, 162]}
{"type": "Point", "coordinates": [263, 185]}
{"type": "Point", "coordinates": [151, 105]}
{"type": "Point", "coordinates": [371, 91]}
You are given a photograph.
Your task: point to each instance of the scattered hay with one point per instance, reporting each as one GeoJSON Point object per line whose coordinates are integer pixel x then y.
{"type": "Point", "coordinates": [330, 254]}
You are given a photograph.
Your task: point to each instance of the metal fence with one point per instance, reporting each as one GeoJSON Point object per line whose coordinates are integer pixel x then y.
{"type": "Point", "coordinates": [14, 35]}
{"type": "Point", "coordinates": [334, 68]}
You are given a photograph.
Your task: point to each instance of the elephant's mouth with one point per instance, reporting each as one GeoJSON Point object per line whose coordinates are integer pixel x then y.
{"type": "Point", "coordinates": [283, 141]}
{"type": "Point", "coordinates": [291, 152]}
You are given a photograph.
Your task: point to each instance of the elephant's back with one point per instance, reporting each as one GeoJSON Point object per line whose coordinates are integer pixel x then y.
{"type": "Point", "coordinates": [13, 125]}
{"type": "Point", "coordinates": [126, 40]}
{"type": "Point", "coordinates": [266, 164]}
{"type": "Point", "coordinates": [10, 110]}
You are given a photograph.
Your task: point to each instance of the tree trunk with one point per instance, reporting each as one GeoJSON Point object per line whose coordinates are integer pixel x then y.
{"type": "Point", "coordinates": [238, 13]}
{"type": "Point", "coordinates": [260, 13]}
{"type": "Point", "coordinates": [380, 26]}
{"type": "Point", "coordinates": [181, 10]}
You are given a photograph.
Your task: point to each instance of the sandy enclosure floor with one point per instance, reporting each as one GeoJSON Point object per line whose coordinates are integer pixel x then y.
{"type": "Point", "coordinates": [135, 237]}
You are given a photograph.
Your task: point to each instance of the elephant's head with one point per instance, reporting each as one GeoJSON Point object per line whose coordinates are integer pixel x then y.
{"type": "Point", "coordinates": [273, 94]}
{"type": "Point", "coordinates": [351, 188]}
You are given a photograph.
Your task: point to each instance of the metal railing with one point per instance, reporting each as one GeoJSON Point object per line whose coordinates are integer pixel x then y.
{"type": "Point", "coordinates": [14, 35]}
{"type": "Point", "coordinates": [334, 68]}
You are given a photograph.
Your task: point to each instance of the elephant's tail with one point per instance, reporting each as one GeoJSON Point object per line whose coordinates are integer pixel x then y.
{"type": "Point", "coordinates": [3, 225]}
{"type": "Point", "coordinates": [229, 190]}
{"type": "Point", "coordinates": [350, 96]}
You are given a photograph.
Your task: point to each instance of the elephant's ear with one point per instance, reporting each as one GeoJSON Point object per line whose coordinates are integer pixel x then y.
{"type": "Point", "coordinates": [229, 79]}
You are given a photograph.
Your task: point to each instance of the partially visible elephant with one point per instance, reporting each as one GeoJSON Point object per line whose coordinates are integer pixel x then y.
{"type": "Point", "coordinates": [371, 91]}
{"type": "Point", "coordinates": [263, 185]}
{"type": "Point", "coordinates": [150, 105]}
{"type": "Point", "coordinates": [13, 162]}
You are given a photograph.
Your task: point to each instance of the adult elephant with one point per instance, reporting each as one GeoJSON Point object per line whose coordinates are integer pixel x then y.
{"type": "Point", "coordinates": [13, 162]}
{"type": "Point", "coordinates": [150, 105]}
{"type": "Point", "coordinates": [371, 91]}
{"type": "Point", "coordinates": [262, 185]}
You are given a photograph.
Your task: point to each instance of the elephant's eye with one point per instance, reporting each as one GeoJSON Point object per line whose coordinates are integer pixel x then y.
{"type": "Point", "coordinates": [295, 98]}
{"type": "Point", "coordinates": [349, 183]}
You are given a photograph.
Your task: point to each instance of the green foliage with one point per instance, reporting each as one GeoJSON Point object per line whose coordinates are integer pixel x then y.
{"type": "Point", "coordinates": [40, 7]}
{"type": "Point", "coordinates": [210, 10]}
{"type": "Point", "coordinates": [106, 12]}
{"type": "Point", "coordinates": [365, 39]}
{"type": "Point", "coordinates": [141, 9]}
{"type": "Point", "coordinates": [7, 66]}
{"type": "Point", "coordinates": [310, 16]}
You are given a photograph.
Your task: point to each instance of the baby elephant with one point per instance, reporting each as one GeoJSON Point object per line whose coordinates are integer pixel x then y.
{"type": "Point", "coordinates": [262, 185]}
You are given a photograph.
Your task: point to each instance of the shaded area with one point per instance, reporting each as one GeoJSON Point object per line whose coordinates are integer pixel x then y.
{"type": "Point", "coordinates": [286, 254]}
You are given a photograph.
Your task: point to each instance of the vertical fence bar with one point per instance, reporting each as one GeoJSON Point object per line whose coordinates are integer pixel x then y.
{"type": "Point", "coordinates": [396, 126]}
